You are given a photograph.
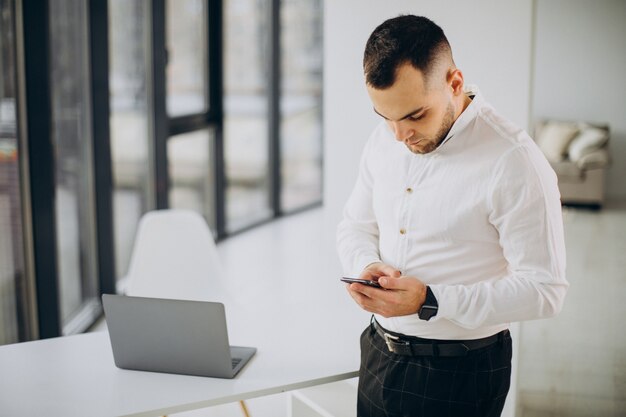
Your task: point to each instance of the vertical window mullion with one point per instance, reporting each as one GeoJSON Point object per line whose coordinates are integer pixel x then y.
{"type": "Point", "coordinates": [39, 130]}
{"type": "Point", "coordinates": [274, 108]}
{"type": "Point", "coordinates": [159, 113]}
{"type": "Point", "coordinates": [216, 109]}
{"type": "Point", "coordinates": [98, 26]}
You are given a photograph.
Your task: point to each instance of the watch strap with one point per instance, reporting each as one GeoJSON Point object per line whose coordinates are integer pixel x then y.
{"type": "Point", "coordinates": [430, 307]}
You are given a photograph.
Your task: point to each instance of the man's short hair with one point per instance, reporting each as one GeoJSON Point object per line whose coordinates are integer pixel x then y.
{"type": "Point", "coordinates": [403, 39]}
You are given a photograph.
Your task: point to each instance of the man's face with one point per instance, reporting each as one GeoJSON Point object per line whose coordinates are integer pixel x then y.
{"type": "Point", "coordinates": [419, 115]}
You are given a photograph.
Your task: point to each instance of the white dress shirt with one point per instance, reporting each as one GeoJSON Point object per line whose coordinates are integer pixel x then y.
{"type": "Point", "coordinates": [478, 220]}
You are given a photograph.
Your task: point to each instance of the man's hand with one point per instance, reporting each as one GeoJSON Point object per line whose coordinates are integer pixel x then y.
{"type": "Point", "coordinates": [400, 296]}
{"type": "Point", "coordinates": [377, 270]}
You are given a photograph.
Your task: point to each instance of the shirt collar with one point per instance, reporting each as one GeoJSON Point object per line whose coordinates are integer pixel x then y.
{"type": "Point", "coordinates": [468, 114]}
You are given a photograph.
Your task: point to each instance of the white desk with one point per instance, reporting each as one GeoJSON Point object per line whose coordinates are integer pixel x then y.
{"type": "Point", "coordinates": [289, 304]}
{"type": "Point", "coordinates": [76, 376]}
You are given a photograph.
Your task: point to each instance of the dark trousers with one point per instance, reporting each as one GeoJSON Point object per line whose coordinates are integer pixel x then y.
{"type": "Point", "coordinates": [391, 385]}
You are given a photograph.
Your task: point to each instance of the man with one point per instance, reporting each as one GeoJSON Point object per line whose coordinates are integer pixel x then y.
{"type": "Point", "coordinates": [459, 221]}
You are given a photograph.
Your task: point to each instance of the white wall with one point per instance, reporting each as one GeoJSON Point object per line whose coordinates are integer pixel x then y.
{"type": "Point", "coordinates": [491, 43]}
{"type": "Point", "coordinates": [580, 70]}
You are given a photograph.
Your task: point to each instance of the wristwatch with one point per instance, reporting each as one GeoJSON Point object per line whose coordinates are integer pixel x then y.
{"type": "Point", "coordinates": [430, 307]}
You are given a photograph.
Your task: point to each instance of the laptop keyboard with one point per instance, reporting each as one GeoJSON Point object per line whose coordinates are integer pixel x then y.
{"type": "Point", "coordinates": [235, 362]}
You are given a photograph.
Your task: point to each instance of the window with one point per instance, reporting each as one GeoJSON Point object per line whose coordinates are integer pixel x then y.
{"type": "Point", "coordinates": [187, 57]}
{"type": "Point", "coordinates": [191, 173]}
{"type": "Point", "coordinates": [301, 103]}
{"type": "Point", "coordinates": [246, 113]}
{"type": "Point", "coordinates": [130, 120]}
{"type": "Point", "coordinates": [190, 142]}
{"type": "Point", "coordinates": [134, 105]}
{"type": "Point", "coordinates": [14, 300]}
{"type": "Point", "coordinates": [73, 160]}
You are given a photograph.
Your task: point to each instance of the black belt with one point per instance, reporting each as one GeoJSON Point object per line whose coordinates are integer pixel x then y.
{"type": "Point", "coordinates": [414, 346]}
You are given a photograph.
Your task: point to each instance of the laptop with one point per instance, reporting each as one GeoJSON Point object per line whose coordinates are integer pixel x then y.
{"type": "Point", "coordinates": [172, 336]}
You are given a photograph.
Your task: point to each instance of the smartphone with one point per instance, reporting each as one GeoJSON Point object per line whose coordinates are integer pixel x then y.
{"type": "Point", "coordinates": [369, 282]}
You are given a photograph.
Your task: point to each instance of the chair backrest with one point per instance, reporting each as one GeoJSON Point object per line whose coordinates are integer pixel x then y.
{"type": "Point", "coordinates": [174, 257]}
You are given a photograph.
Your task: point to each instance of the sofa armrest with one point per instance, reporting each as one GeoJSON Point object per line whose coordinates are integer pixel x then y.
{"type": "Point", "coordinates": [594, 160]}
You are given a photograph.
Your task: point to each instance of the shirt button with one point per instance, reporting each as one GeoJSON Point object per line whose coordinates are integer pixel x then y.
{"type": "Point", "coordinates": [409, 190]}
{"type": "Point", "coordinates": [402, 231]}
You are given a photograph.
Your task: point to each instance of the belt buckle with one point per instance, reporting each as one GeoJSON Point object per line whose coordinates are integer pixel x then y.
{"type": "Point", "coordinates": [389, 339]}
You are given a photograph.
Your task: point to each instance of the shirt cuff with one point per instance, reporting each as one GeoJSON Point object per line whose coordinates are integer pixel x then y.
{"type": "Point", "coordinates": [447, 300]}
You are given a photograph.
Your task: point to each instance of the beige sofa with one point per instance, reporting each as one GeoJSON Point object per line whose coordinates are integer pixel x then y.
{"type": "Point", "coordinates": [578, 153]}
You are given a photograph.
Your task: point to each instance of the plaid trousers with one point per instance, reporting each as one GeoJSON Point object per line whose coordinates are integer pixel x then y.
{"type": "Point", "coordinates": [391, 385]}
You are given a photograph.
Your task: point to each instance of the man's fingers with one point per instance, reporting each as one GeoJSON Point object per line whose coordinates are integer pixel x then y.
{"type": "Point", "coordinates": [392, 283]}
{"type": "Point", "coordinates": [376, 304]}
{"type": "Point", "coordinates": [360, 298]}
{"type": "Point", "coordinates": [378, 270]}
{"type": "Point", "coordinates": [362, 289]}
{"type": "Point", "coordinates": [387, 270]}
{"type": "Point", "coordinates": [374, 295]}
{"type": "Point", "coordinates": [391, 271]}
{"type": "Point", "coordinates": [399, 296]}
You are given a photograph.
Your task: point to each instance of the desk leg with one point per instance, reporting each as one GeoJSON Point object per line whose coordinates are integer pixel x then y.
{"type": "Point", "coordinates": [244, 408]}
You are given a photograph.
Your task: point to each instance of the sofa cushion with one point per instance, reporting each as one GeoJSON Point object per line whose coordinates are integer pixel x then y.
{"type": "Point", "coordinates": [568, 171]}
{"type": "Point", "coordinates": [554, 139]}
{"type": "Point", "coordinates": [588, 140]}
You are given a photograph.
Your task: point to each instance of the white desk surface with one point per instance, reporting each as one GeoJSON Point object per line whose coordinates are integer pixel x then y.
{"type": "Point", "coordinates": [297, 314]}
{"type": "Point", "coordinates": [76, 376]}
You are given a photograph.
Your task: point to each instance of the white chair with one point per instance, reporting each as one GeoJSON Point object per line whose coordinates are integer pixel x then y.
{"type": "Point", "coordinates": [175, 256]}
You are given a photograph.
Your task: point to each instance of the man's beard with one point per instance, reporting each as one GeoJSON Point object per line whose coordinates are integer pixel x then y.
{"type": "Point", "coordinates": [432, 144]}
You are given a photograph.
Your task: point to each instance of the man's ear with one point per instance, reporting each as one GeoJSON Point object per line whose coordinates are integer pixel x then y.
{"type": "Point", "coordinates": [455, 81]}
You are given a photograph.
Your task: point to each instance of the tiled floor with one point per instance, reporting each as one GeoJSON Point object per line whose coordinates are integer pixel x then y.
{"type": "Point", "coordinates": [575, 364]}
